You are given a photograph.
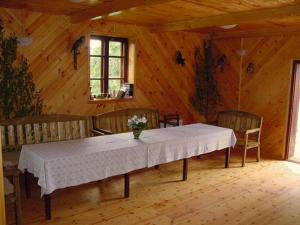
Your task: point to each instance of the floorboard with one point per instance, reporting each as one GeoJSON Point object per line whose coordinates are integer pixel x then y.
{"type": "Point", "coordinates": [264, 193]}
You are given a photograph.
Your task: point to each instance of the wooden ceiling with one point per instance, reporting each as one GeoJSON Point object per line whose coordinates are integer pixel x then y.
{"type": "Point", "coordinates": [203, 16]}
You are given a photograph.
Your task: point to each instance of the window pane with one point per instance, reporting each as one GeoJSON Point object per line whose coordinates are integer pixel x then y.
{"type": "Point", "coordinates": [95, 87]}
{"type": "Point", "coordinates": [115, 48]}
{"type": "Point", "coordinates": [95, 67]}
{"type": "Point", "coordinates": [114, 68]}
{"type": "Point", "coordinates": [95, 47]}
{"type": "Point", "coordinates": [114, 87]}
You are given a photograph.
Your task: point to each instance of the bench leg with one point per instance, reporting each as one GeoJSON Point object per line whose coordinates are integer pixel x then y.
{"type": "Point", "coordinates": [185, 169]}
{"type": "Point", "coordinates": [27, 184]}
{"type": "Point", "coordinates": [258, 154]}
{"type": "Point", "coordinates": [227, 157]}
{"type": "Point", "coordinates": [47, 201]}
{"type": "Point", "coordinates": [244, 157]}
{"type": "Point", "coordinates": [18, 207]}
{"type": "Point", "coordinates": [126, 185]}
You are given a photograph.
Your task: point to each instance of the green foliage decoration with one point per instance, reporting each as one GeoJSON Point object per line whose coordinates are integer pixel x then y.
{"type": "Point", "coordinates": [206, 99]}
{"type": "Point", "coordinates": [18, 94]}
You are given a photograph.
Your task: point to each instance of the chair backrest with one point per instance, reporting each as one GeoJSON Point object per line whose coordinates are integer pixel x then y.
{"type": "Point", "coordinates": [44, 128]}
{"type": "Point", "coordinates": [239, 121]}
{"type": "Point", "coordinates": [116, 121]}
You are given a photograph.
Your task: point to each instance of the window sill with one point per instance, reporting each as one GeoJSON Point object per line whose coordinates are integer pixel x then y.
{"type": "Point", "coordinates": [97, 101]}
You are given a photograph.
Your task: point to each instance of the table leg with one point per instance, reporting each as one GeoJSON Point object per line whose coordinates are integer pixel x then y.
{"type": "Point", "coordinates": [185, 169]}
{"type": "Point", "coordinates": [27, 184]}
{"type": "Point", "coordinates": [126, 185]}
{"type": "Point", "coordinates": [47, 201]}
{"type": "Point", "coordinates": [227, 157]}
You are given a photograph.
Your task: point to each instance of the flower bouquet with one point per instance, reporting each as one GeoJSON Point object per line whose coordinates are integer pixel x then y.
{"type": "Point", "coordinates": [137, 124]}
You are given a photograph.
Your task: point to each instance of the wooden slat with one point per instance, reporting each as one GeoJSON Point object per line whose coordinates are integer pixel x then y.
{"type": "Point", "coordinates": [11, 135]}
{"type": "Point", "coordinates": [45, 131]}
{"type": "Point", "coordinates": [3, 139]}
{"type": "Point", "coordinates": [53, 131]}
{"type": "Point", "coordinates": [61, 131]}
{"type": "Point", "coordinates": [232, 18]}
{"type": "Point", "coordinates": [108, 7]}
{"type": "Point", "coordinates": [20, 135]}
{"type": "Point", "coordinates": [37, 133]}
{"type": "Point", "coordinates": [29, 134]}
{"type": "Point", "coordinates": [2, 202]}
{"type": "Point", "coordinates": [82, 128]}
{"type": "Point", "coordinates": [75, 130]}
{"type": "Point", "coordinates": [68, 130]}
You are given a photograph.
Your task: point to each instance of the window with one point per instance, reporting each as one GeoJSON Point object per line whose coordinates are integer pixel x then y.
{"type": "Point", "coordinates": [108, 65]}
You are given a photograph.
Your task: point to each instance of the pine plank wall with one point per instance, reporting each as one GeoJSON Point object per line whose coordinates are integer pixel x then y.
{"type": "Point", "coordinates": [159, 82]}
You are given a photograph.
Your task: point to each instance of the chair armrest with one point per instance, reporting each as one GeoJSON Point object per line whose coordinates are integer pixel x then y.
{"type": "Point", "coordinates": [11, 172]}
{"type": "Point", "coordinates": [174, 124]}
{"type": "Point", "coordinates": [100, 132]}
{"type": "Point", "coordinates": [251, 131]}
{"type": "Point", "coordinates": [170, 119]}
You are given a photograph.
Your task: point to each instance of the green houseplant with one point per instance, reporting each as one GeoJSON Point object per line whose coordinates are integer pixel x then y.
{"type": "Point", "coordinates": [206, 97]}
{"type": "Point", "coordinates": [18, 94]}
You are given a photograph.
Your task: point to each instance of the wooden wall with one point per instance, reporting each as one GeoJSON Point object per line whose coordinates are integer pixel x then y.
{"type": "Point", "coordinates": [267, 91]}
{"type": "Point", "coordinates": [159, 82]}
{"type": "Point", "coordinates": [2, 202]}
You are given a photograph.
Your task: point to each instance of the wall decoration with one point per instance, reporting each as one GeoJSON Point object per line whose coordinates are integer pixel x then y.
{"type": "Point", "coordinates": [18, 96]}
{"type": "Point", "coordinates": [75, 50]}
{"type": "Point", "coordinates": [206, 97]}
{"type": "Point", "coordinates": [221, 62]}
{"type": "Point", "coordinates": [250, 69]}
{"type": "Point", "coordinates": [179, 60]}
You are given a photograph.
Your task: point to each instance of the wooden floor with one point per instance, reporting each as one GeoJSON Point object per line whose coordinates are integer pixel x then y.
{"type": "Point", "coordinates": [265, 193]}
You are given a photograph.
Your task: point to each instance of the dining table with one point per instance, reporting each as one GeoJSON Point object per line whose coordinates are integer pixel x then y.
{"type": "Point", "coordinates": [64, 164]}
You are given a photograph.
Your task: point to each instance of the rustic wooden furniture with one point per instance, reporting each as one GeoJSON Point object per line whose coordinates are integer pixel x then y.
{"type": "Point", "coordinates": [171, 119]}
{"type": "Point", "coordinates": [247, 128]}
{"type": "Point", "coordinates": [118, 154]}
{"type": "Point", "coordinates": [40, 129]}
{"type": "Point", "coordinates": [116, 121]}
{"type": "Point", "coordinates": [14, 197]}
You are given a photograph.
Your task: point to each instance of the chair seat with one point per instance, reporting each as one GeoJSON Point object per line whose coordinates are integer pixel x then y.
{"type": "Point", "coordinates": [8, 187]}
{"type": "Point", "coordinates": [10, 199]}
{"type": "Point", "coordinates": [250, 144]}
{"type": "Point", "coordinates": [11, 159]}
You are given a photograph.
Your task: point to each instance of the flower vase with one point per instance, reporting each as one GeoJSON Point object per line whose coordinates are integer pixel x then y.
{"type": "Point", "coordinates": [137, 133]}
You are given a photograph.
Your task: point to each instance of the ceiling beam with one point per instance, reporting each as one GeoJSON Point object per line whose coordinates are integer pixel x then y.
{"type": "Point", "coordinates": [232, 18]}
{"type": "Point", "coordinates": [111, 6]}
{"type": "Point", "coordinates": [262, 32]}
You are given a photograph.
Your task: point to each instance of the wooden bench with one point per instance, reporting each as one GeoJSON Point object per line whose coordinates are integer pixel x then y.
{"type": "Point", "coordinates": [116, 121]}
{"type": "Point", "coordinates": [247, 128]}
{"type": "Point", "coordinates": [40, 129]}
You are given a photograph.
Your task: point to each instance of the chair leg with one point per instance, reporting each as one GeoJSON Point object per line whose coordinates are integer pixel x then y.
{"type": "Point", "coordinates": [18, 207]}
{"type": "Point", "coordinates": [258, 154]}
{"type": "Point", "coordinates": [244, 157]}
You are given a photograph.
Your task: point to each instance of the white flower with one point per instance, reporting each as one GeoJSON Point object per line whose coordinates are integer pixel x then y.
{"type": "Point", "coordinates": [137, 122]}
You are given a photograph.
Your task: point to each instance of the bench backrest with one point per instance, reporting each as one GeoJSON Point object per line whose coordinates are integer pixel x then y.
{"type": "Point", "coordinates": [239, 121]}
{"type": "Point", "coordinates": [44, 128]}
{"type": "Point", "coordinates": [116, 121]}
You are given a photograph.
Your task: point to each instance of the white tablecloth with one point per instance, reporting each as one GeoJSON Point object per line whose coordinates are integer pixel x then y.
{"type": "Point", "coordinates": [69, 163]}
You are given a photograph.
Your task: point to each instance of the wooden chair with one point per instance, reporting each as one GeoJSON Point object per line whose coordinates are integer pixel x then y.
{"type": "Point", "coordinates": [247, 128]}
{"type": "Point", "coordinates": [171, 119]}
{"type": "Point", "coordinates": [116, 121]}
{"type": "Point", "coordinates": [14, 196]}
